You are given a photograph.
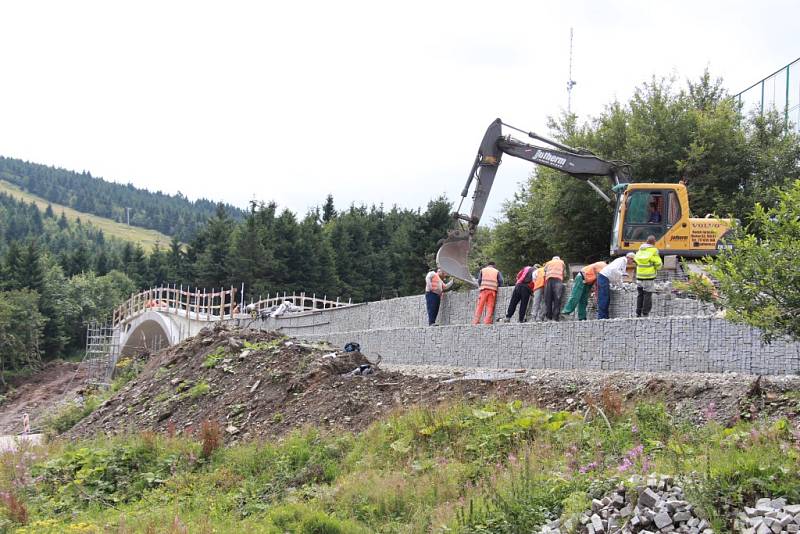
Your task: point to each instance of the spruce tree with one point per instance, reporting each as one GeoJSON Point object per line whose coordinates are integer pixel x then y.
{"type": "Point", "coordinates": [328, 210]}
{"type": "Point", "coordinates": [212, 261]}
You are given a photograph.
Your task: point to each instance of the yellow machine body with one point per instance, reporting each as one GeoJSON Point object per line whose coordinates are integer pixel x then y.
{"type": "Point", "coordinates": [662, 210]}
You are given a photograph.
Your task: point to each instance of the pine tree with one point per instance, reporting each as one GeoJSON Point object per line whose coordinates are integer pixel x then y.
{"type": "Point", "coordinates": [101, 264]}
{"type": "Point", "coordinates": [176, 263]}
{"type": "Point", "coordinates": [12, 267]}
{"type": "Point", "coordinates": [31, 274]}
{"type": "Point", "coordinates": [212, 261]}
{"type": "Point", "coordinates": [328, 210]}
{"type": "Point", "coordinates": [248, 261]}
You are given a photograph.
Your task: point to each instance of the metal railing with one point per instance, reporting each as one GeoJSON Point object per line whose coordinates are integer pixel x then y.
{"type": "Point", "coordinates": [780, 91]}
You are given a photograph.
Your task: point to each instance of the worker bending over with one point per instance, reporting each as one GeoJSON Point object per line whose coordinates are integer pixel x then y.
{"type": "Point", "coordinates": [489, 279]}
{"type": "Point", "coordinates": [434, 287]}
{"type": "Point", "coordinates": [613, 273]}
{"type": "Point", "coordinates": [537, 309]}
{"type": "Point", "coordinates": [648, 262]}
{"type": "Point", "coordinates": [581, 288]}
{"type": "Point", "coordinates": [554, 272]}
{"type": "Point", "coordinates": [522, 293]}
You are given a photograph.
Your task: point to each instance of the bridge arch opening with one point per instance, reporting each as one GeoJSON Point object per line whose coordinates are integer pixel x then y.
{"type": "Point", "coordinates": [148, 335]}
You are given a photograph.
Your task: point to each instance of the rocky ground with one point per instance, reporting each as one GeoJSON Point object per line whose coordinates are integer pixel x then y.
{"type": "Point", "coordinates": [259, 384]}
{"type": "Point", "coordinates": [696, 396]}
{"type": "Point", "coordinates": [37, 394]}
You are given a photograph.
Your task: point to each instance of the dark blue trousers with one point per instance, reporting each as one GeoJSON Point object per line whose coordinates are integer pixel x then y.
{"type": "Point", "coordinates": [603, 296]}
{"type": "Point", "coordinates": [432, 301]}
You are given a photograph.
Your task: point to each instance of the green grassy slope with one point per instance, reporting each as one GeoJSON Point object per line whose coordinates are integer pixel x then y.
{"type": "Point", "coordinates": [463, 469]}
{"type": "Point", "coordinates": [147, 238]}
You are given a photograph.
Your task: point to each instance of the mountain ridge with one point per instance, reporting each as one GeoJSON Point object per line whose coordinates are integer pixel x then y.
{"type": "Point", "coordinates": [172, 215]}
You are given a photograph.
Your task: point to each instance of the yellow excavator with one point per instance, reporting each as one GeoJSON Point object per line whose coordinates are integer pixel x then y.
{"type": "Point", "coordinates": [640, 209]}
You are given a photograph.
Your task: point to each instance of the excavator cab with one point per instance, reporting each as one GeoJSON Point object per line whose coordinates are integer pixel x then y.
{"type": "Point", "coordinates": [662, 210]}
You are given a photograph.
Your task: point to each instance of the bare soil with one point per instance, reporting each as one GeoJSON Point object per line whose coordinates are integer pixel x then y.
{"type": "Point", "coordinates": [38, 394]}
{"type": "Point", "coordinates": [261, 384]}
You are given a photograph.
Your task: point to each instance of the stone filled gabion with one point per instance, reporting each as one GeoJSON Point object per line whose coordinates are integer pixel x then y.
{"type": "Point", "coordinates": [659, 507]}
{"type": "Point", "coordinates": [769, 516]}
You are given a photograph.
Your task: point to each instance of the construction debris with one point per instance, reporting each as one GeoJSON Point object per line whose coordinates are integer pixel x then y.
{"type": "Point", "coordinates": [769, 516]}
{"type": "Point", "coordinates": [653, 505]}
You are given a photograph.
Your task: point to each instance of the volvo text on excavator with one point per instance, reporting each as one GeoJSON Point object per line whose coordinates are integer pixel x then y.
{"type": "Point", "coordinates": [640, 209]}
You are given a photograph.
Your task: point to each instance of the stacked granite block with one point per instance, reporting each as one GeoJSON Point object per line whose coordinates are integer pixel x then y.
{"type": "Point", "coordinates": [682, 335]}
{"type": "Point", "coordinates": [678, 344]}
{"type": "Point", "coordinates": [457, 308]}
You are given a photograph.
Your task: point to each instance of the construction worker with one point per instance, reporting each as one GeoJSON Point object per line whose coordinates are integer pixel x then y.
{"type": "Point", "coordinates": [521, 294]}
{"type": "Point", "coordinates": [554, 272]}
{"type": "Point", "coordinates": [613, 273]}
{"type": "Point", "coordinates": [489, 279]}
{"type": "Point", "coordinates": [581, 288]}
{"type": "Point", "coordinates": [648, 262]}
{"type": "Point", "coordinates": [434, 287]}
{"type": "Point", "coordinates": [537, 310]}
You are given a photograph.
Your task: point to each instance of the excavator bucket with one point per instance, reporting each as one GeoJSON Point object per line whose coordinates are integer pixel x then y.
{"type": "Point", "coordinates": [452, 256]}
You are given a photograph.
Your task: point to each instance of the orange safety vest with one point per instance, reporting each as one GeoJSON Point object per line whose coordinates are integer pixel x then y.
{"type": "Point", "coordinates": [436, 284]}
{"type": "Point", "coordinates": [590, 272]}
{"type": "Point", "coordinates": [554, 269]}
{"type": "Point", "coordinates": [539, 282]}
{"type": "Point", "coordinates": [489, 278]}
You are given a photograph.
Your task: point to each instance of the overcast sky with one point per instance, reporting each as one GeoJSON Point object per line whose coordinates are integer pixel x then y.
{"type": "Point", "coordinates": [374, 102]}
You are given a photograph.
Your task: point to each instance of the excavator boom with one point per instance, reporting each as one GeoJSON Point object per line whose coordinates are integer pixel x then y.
{"type": "Point", "coordinates": [579, 163]}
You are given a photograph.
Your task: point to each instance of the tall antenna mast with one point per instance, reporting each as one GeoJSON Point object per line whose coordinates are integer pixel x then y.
{"type": "Point", "coordinates": [570, 83]}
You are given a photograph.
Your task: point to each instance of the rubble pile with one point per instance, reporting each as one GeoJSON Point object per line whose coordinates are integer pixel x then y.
{"type": "Point", "coordinates": [657, 506]}
{"type": "Point", "coordinates": [258, 384]}
{"type": "Point", "coordinates": [770, 516]}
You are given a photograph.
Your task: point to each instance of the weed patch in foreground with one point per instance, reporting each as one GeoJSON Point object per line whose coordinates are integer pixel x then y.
{"type": "Point", "coordinates": [468, 468]}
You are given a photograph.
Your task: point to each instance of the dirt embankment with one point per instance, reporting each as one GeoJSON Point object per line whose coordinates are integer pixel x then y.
{"type": "Point", "coordinates": [38, 394]}
{"type": "Point", "coordinates": [261, 384]}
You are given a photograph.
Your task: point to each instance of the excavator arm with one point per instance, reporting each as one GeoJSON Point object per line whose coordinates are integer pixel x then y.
{"type": "Point", "coordinates": [579, 163]}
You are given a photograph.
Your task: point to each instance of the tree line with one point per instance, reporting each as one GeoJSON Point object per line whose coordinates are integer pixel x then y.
{"type": "Point", "coordinates": [363, 253]}
{"type": "Point", "coordinates": [173, 215]}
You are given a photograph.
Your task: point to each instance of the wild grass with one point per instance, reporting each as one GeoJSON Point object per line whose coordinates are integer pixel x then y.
{"type": "Point", "coordinates": [464, 468]}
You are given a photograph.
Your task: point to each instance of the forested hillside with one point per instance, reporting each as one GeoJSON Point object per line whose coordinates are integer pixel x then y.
{"type": "Point", "coordinates": [56, 274]}
{"type": "Point", "coordinates": [146, 237]}
{"type": "Point", "coordinates": [172, 215]}
{"type": "Point", "coordinates": [360, 253]}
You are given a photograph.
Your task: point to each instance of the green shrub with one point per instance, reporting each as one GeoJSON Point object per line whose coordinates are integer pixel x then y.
{"type": "Point", "coordinates": [655, 425]}
{"type": "Point", "coordinates": [106, 472]}
{"type": "Point", "coordinates": [199, 389]}
{"type": "Point", "coordinates": [302, 519]}
{"type": "Point", "coordinates": [68, 415]}
{"type": "Point", "coordinates": [213, 358]}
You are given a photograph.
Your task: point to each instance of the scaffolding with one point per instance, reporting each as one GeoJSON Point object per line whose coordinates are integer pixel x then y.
{"type": "Point", "coordinates": [780, 91]}
{"type": "Point", "coordinates": [102, 350]}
